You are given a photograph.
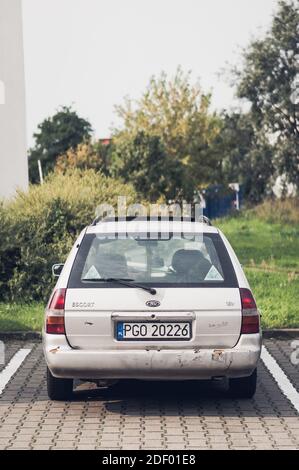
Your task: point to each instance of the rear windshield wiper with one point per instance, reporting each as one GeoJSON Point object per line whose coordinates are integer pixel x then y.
{"type": "Point", "coordinates": [125, 282]}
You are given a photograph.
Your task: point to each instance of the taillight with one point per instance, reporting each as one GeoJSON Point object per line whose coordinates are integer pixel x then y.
{"type": "Point", "coordinates": [250, 314]}
{"type": "Point", "coordinates": [55, 313]}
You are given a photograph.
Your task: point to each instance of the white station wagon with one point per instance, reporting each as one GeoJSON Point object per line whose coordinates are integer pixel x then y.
{"type": "Point", "coordinates": [164, 299]}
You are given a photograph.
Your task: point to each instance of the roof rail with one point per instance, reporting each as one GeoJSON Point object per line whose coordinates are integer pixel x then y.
{"type": "Point", "coordinates": [100, 219]}
{"type": "Point", "coordinates": [205, 220]}
{"type": "Point", "coordinates": [201, 219]}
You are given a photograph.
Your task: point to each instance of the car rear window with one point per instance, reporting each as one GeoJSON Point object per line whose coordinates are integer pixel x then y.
{"type": "Point", "coordinates": [175, 261]}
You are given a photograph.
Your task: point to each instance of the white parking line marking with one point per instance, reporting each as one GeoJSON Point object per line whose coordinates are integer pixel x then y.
{"type": "Point", "coordinates": [11, 368]}
{"type": "Point", "coordinates": [282, 381]}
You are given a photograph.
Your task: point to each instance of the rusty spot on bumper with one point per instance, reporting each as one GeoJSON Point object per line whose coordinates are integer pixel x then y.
{"type": "Point", "coordinates": [217, 355]}
{"type": "Point", "coordinates": [55, 350]}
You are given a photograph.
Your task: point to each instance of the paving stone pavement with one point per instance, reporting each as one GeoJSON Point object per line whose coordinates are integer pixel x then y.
{"type": "Point", "coordinates": [11, 347]}
{"type": "Point", "coordinates": [146, 415]}
{"type": "Point", "coordinates": [282, 350]}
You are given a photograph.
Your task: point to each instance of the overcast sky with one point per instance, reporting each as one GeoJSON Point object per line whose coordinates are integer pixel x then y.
{"type": "Point", "coordinates": [91, 53]}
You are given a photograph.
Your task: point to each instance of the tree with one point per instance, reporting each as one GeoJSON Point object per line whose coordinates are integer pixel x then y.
{"type": "Point", "coordinates": [245, 155]}
{"type": "Point", "coordinates": [87, 155]}
{"type": "Point", "coordinates": [269, 80]}
{"type": "Point", "coordinates": [178, 113]}
{"type": "Point", "coordinates": [144, 162]}
{"type": "Point", "coordinates": [56, 135]}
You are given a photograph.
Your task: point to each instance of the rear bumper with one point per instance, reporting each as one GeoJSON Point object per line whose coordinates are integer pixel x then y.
{"type": "Point", "coordinates": [166, 364]}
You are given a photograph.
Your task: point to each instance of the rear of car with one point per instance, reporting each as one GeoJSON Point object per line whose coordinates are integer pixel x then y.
{"type": "Point", "coordinates": [167, 301]}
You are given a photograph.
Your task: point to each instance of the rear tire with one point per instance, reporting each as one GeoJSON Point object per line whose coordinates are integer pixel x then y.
{"type": "Point", "coordinates": [59, 389]}
{"type": "Point", "coordinates": [244, 387]}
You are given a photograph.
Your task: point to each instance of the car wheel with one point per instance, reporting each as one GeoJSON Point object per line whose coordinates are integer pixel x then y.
{"type": "Point", "coordinates": [244, 387]}
{"type": "Point", "coordinates": [59, 389]}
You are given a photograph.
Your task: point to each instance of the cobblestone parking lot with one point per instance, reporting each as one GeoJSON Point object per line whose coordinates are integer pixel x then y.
{"type": "Point", "coordinates": [147, 415]}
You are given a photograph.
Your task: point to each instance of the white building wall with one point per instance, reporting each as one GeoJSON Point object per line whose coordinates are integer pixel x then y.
{"type": "Point", "coordinates": [13, 158]}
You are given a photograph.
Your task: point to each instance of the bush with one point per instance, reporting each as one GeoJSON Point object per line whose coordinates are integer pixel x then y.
{"type": "Point", "coordinates": [9, 253]}
{"type": "Point", "coordinates": [283, 211]}
{"type": "Point", "coordinates": [39, 227]}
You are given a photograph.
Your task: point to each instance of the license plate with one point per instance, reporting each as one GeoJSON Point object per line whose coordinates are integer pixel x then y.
{"type": "Point", "coordinates": [151, 331]}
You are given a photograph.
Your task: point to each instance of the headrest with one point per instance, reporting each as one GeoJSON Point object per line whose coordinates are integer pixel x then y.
{"type": "Point", "coordinates": [184, 260]}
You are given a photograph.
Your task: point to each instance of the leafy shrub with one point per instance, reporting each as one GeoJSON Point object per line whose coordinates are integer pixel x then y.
{"type": "Point", "coordinates": [38, 228]}
{"type": "Point", "coordinates": [9, 253]}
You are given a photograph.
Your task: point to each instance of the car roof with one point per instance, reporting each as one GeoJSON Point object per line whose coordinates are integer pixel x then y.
{"type": "Point", "coordinates": [157, 226]}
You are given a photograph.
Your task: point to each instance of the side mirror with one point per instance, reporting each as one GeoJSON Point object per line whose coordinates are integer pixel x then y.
{"type": "Point", "coordinates": [56, 269]}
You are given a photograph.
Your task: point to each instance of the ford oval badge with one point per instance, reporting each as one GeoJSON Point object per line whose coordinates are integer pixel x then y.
{"type": "Point", "coordinates": [152, 303]}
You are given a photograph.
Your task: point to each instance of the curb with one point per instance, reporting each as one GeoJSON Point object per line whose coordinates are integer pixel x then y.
{"type": "Point", "coordinates": [20, 335]}
{"type": "Point", "coordinates": [284, 333]}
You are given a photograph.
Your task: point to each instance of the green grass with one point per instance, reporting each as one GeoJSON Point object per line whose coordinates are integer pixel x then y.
{"type": "Point", "coordinates": [269, 253]}
{"type": "Point", "coordinates": [21, 317]}
{"type": "Point", "coordinates": [261, 244]}
{"type": "Point", "coordinates": [277, 297]}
